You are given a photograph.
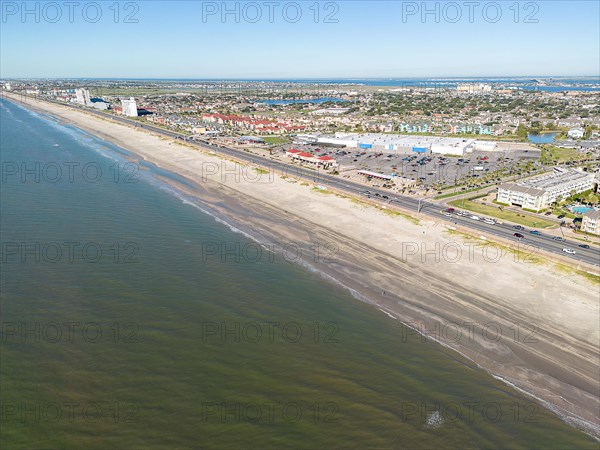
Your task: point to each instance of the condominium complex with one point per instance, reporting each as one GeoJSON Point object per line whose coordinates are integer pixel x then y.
{"type": "Point", "coordinates": [590, 222]}
{"type": "Point", "coordinates": [83, 96]}
{"type": "Point", "coordinates": [129, 107]}
{"type": "Point", "coordinates": [539, 193]}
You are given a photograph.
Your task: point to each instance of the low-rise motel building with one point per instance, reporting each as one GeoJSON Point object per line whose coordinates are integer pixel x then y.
{"type": "Point", "coordinates": [590, 223]}
{"type": "Point", "coordinates": [540, 192]}
{"type": "Point", "coordinates": [326, 162]}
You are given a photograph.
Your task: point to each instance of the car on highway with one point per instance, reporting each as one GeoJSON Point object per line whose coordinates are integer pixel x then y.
{"type": "Point", "coordinates": [518, 235]}
{"type": "Point", "coordinates": [489, 221]}
{"type": "Point", "coordinates": [447, 214]}
{"type": "Point", "coordinates": [570, 251]}
{"type": "Point", "coordinates": [584, 246]}
{"type": "Point", "coordinates": [559, 239]}
{"type": "Point", "coordinates": [518, 227]}
{"type": "Point", "coordinates": [536, 232]}
{"type": "Point", "coordinates": [475, 217]}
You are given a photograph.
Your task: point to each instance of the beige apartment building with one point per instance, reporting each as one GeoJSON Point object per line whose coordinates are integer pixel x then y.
{"type": "Point", "coordinates": [591, 222]}
{"type": "Point", "coordinates": [539, 193]}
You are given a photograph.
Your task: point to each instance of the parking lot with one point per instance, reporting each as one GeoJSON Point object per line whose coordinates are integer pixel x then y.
{"type": "Point", "coordinates": [426, 170]}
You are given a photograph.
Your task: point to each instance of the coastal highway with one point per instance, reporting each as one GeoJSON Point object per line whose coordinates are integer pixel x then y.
{"type": "Point", "coordinates": [530, 243]}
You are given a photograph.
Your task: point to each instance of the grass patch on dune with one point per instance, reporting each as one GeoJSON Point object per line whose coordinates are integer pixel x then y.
{"type": "Point", "coordinates": [321, 191]}
{"type": "Point", "coordinates": [393, 213]}
{"type": "Point", "coordinates": [595, 279]}
{"type": "Point", "coordinates": [524, 255]}
{"type": "Point", "coordinates": [388, 212]}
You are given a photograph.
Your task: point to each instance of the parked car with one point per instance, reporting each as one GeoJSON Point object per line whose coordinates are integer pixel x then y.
{"type": "Point", "coordinates": [562, 216]}
{"type": "Point", "coordinates": [548, 213]}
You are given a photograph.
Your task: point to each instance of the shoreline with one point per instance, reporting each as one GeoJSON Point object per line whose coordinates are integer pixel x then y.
{"type": "Point", "coordinates": [384, 259]}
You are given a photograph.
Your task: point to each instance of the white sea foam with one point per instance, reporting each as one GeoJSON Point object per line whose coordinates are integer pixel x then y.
{"type": "Point", "coordinates": [434, 420]}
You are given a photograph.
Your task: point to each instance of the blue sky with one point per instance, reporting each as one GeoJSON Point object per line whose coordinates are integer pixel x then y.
{"type": "Point", "coordinates": [192, 39]}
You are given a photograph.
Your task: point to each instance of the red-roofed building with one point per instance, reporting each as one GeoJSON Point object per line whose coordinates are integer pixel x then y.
{"type": "Point", "coordinates": [324, 161]}
{"type": "Point", "coordinates": [327, 161]}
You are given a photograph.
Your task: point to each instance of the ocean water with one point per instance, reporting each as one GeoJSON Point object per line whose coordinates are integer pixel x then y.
{"type": "Point", "coordinates": [130, 320]}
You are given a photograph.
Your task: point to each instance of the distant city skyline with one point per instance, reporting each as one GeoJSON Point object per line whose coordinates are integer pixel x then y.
{"type": "Point", "coordinates": [299, 40]}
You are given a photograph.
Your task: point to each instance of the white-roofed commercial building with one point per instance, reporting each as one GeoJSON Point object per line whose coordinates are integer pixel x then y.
{"type": "Point", "coordinates": [394, 143]}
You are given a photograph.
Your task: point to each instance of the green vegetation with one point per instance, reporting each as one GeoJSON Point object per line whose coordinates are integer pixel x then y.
{"type": "Point", "coordinates": [555, 155]}
{"type": "Point", "coordinates": [322, 191]}
{"type": "Point", "coordinates": [589, 276]}
{"type": "Point", "coordinates": [453, 194]}
{"type": "Point", "coordinates": [499, 213]}
{"type": "Point", "coordinates": [588, 197]}
{"type": "Point", "coordinates": [595, 279]}
{"type": "Point", "coordinates": [522, 132]}
{"type": "Point", "coordinates": [393, 213]}
{"type": "Point", "coordinates": [519, 255]}
{"type": "Point", "coordinates": [275, 140]}
{"type": "Point", "coordinates": [261, 171]}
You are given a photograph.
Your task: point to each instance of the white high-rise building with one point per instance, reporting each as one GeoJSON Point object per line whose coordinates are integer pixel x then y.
{"type": "Point", "coordinates": [129, 107]}
{"type": "Point", "coordinates": [83, 96]}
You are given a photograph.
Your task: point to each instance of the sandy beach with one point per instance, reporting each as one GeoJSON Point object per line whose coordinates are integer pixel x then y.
{"type": "Point", "coordinates": [535, 325]}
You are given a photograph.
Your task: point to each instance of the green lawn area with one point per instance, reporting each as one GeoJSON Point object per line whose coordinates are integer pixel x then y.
{"type": "Point", "coordinates": [452, 194]}
{"type": "Point", "coordinates": [276, 140]}
{"type": "Point", "coordinates": [551, 153]}
{"type": "Point", "coordinates": [511, 216]}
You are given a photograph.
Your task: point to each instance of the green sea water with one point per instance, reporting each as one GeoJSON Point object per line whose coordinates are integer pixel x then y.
{"type": "Point", "coordinates": [129, 320]}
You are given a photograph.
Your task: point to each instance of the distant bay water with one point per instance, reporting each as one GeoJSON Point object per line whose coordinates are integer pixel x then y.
{"type": "Point", "coordinates": [120, 329]}
{"type": "Point", "coordinates": [546, 84]}
{"type": "Point", "coordinates": [300, 101]}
